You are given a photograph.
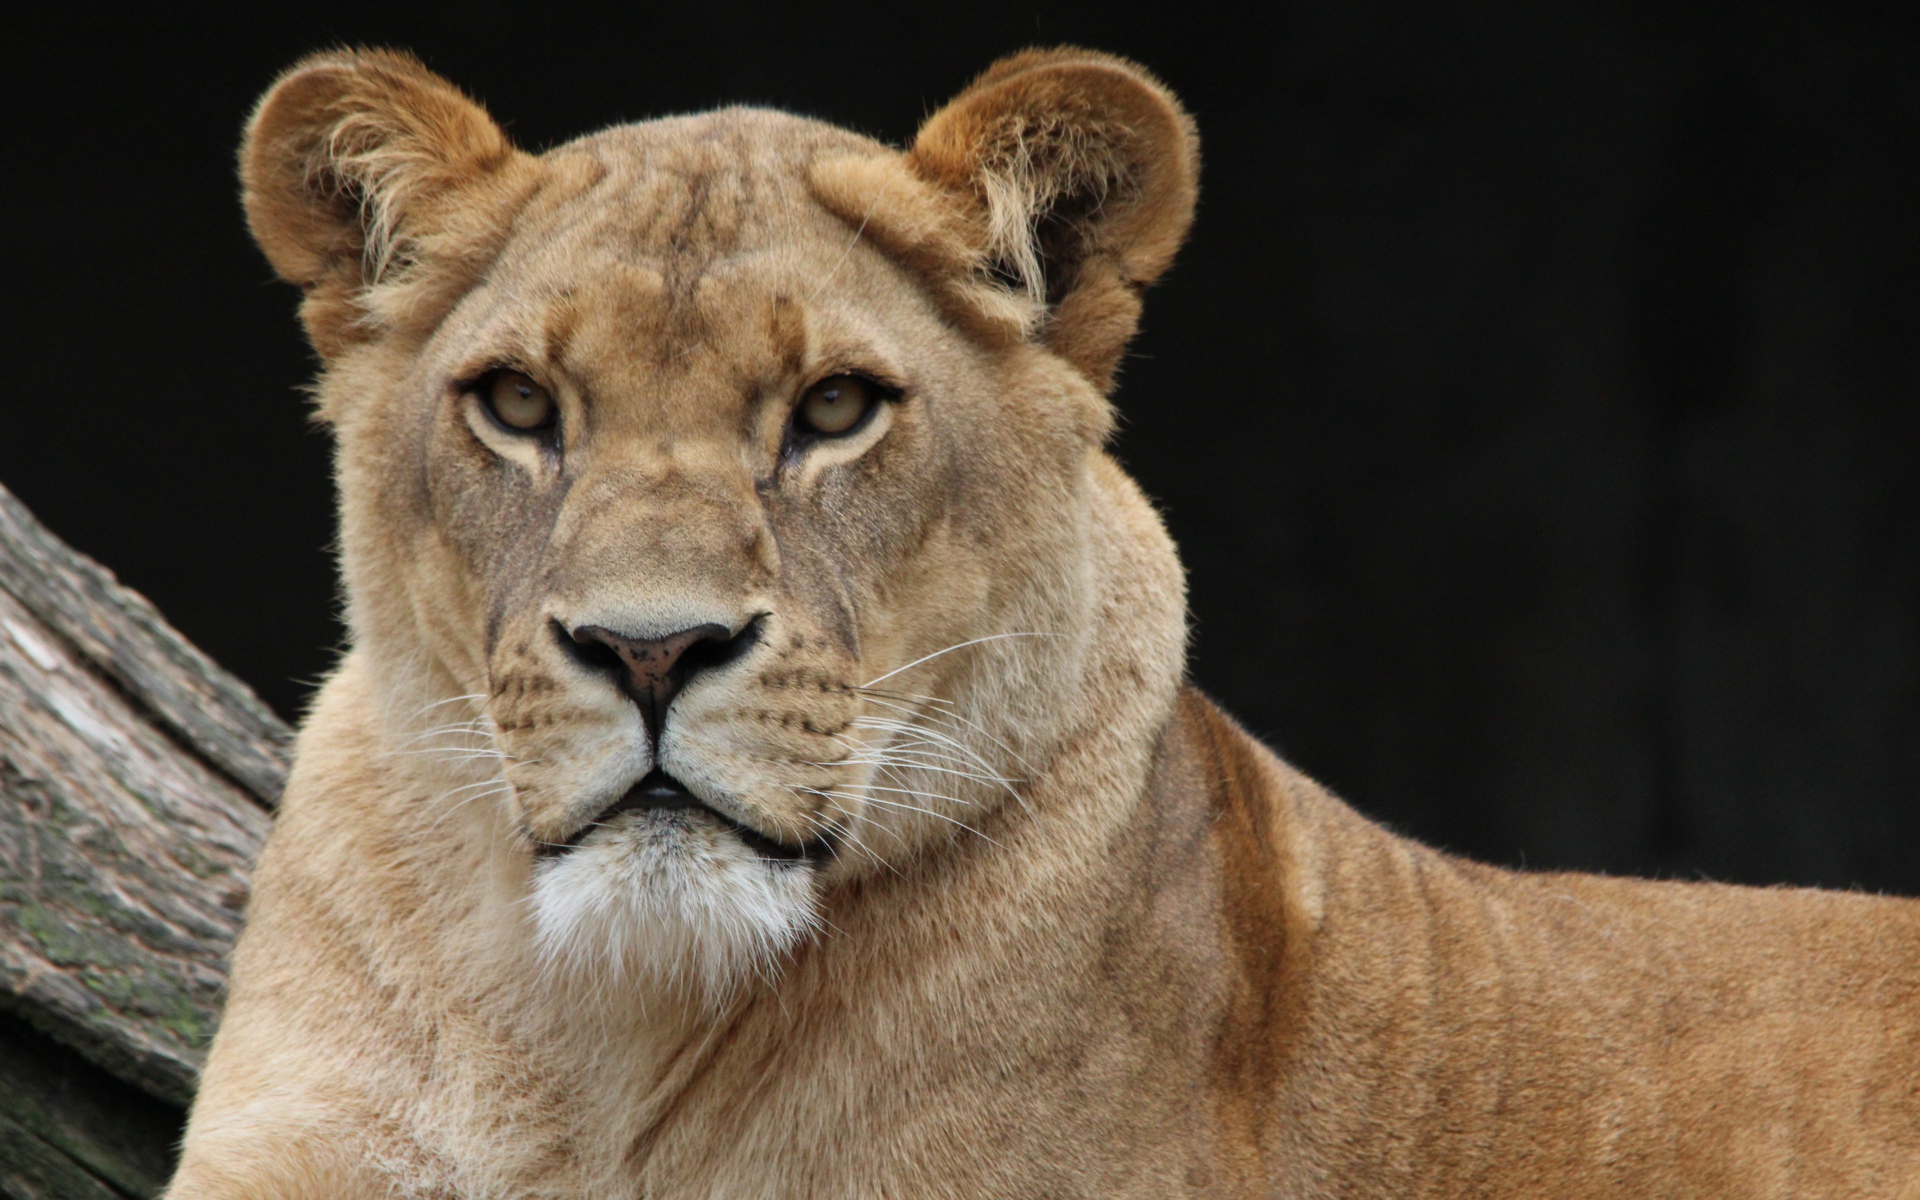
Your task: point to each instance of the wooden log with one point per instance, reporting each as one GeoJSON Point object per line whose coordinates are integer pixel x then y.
{"type": "Point", "coordinates": [124, 638]}
{"type": "Point", "coordinates": [70, 1130]}
{"type": "Point", "coordinates": [136, 779]}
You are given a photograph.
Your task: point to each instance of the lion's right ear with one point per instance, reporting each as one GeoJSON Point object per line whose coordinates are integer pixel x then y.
{"type": "Point", "coordinates": [362, 171]}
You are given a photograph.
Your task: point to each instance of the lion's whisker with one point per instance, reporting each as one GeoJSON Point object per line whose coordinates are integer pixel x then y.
{"type": "Point", "coordinates": [874, 787]}
{"type": "Point", "coordinates": [888, 724]}
{"type": "Point", "coordinates": [951, 714]}
{"type": "Point", "coordinates": [992, 637]}
{"type": "Point", "coordinates": [451, 754]}
{"type": "Point", "coordinates": [500, 783]}
{"type": "Point", "coordinates": [911, 756]}
{"type": "Point", "coordinates": [449, 700]}
{"type": "Point", "coordinates": [463, 728]}
{"type": "Point", "coordinates": [497, 787]}
{"type": "Point", "coordinates": [911, 766]}
{"type": "Point", "coordinates": [897, 804]}
{"type": "Point", "coordinates": [848, 838]}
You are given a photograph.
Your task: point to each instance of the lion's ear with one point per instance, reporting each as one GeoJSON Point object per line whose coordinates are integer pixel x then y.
{"type": "Point", "coordinates": [358, 168]}
{"type": "Point", "coordinates": [1080, 171]}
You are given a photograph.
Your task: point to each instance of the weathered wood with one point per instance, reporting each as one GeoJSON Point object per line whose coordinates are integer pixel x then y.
{"type": "Point", "coordinates": [123, 866]}
{"type": "Point", "coordinates": [121, 636]}
{"type": "Point", "coordinates": [134, 780]}
{"type": "Point", "coordinates": [30, 1169]}
{"type": "Point", "coordinates": [68, 1129]}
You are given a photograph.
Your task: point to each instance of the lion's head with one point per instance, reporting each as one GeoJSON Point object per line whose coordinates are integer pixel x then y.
{"type": "Point", "coordinates": [716, 490]}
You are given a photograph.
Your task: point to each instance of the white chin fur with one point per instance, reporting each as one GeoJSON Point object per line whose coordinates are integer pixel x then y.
{"type": "Point", "coordinates": [673, 901]}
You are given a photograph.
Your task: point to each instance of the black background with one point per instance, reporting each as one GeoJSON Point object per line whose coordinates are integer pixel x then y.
{"type": "Point", "coordinates": [1535, 405]}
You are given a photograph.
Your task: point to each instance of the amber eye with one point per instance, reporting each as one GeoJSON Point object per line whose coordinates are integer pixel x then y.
{"type": "Point", "coordinates": [518, 402]}
{"type": "Point", "coordinates": [836, 405]}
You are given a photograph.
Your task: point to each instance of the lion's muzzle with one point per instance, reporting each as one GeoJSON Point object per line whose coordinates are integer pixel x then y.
{"type": "Point", "coordinates": [661, 792]}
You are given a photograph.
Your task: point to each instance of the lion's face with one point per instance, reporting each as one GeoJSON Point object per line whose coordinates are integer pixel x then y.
{"type": "Point", "coordinates": [671, 330]}
{"type": "Point", "coordinates": [709, 473]}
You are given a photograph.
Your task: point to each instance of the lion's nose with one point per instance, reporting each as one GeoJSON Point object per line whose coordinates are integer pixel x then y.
{"type": "Point", "coordinates": [651, 671]}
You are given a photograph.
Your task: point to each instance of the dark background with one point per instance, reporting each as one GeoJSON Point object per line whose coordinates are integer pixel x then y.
{"type": "Point", "coordinates": [1536, 404]}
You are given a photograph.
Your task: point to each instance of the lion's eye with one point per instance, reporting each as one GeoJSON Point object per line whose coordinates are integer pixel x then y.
{"type": "Point", "coordinates": [835, 405]}
{"type": "Point", "coordinates": [518, 402]}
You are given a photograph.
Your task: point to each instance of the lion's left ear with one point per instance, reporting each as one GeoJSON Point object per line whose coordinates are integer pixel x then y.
{"type": "Point", "coordinates": [1079, 171]}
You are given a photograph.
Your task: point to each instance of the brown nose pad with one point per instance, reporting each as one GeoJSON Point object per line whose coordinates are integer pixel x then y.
{"type": "Point", "coordinates": [651, 671]}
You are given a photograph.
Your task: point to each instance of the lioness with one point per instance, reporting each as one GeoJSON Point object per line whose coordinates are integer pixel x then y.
{"type": "Point", "coordinates": [762, 766]}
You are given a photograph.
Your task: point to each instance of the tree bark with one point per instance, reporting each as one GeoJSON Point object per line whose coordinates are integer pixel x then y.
{"type": "Point", "coordinates": [136, 780]}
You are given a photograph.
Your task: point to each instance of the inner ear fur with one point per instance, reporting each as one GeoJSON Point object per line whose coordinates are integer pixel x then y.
{"type": "Point", "coordinates": [1077, 174]}
{"type": "Point", "coordinates": [362, 169]}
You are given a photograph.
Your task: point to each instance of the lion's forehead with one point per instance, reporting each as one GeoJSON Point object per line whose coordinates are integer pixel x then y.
{"type": "Point", "coordinates": [690, 247]}
{"type": "Point", "coordinates": [686, 193]}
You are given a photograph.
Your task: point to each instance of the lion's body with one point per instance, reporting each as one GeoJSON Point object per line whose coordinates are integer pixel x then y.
{"type": "Point", "coordinates": [961, 892]}
{"type": "Point", "coordinates": [1445, 1028]}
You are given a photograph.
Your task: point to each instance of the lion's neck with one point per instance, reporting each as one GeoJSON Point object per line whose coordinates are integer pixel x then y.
{"type": "Point", "coordinates": [1009, 939]}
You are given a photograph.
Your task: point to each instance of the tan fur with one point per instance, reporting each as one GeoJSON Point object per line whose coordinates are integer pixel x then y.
{"type": "Point", "coordinates": [1081, 936]}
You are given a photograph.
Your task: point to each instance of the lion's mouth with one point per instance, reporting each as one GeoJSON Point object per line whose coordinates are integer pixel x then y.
{"type": "Point", "coordinates": [660, 791]}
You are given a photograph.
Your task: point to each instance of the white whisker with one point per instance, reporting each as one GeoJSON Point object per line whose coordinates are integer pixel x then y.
{"type": "Point", "coordinates": [949, 714]}
{"type": "Point", "coordinates": [897, 804]}
{"type": "Point", "coordinates": [449, 700]}
{"type": "Point", "coordinates": [851, 242]}
{"type": "Point", "coordinates": [992, 637]}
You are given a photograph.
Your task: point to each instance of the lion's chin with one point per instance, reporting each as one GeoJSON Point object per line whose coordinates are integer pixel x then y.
{"type": "Point", "coordinates": [670, 901]}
